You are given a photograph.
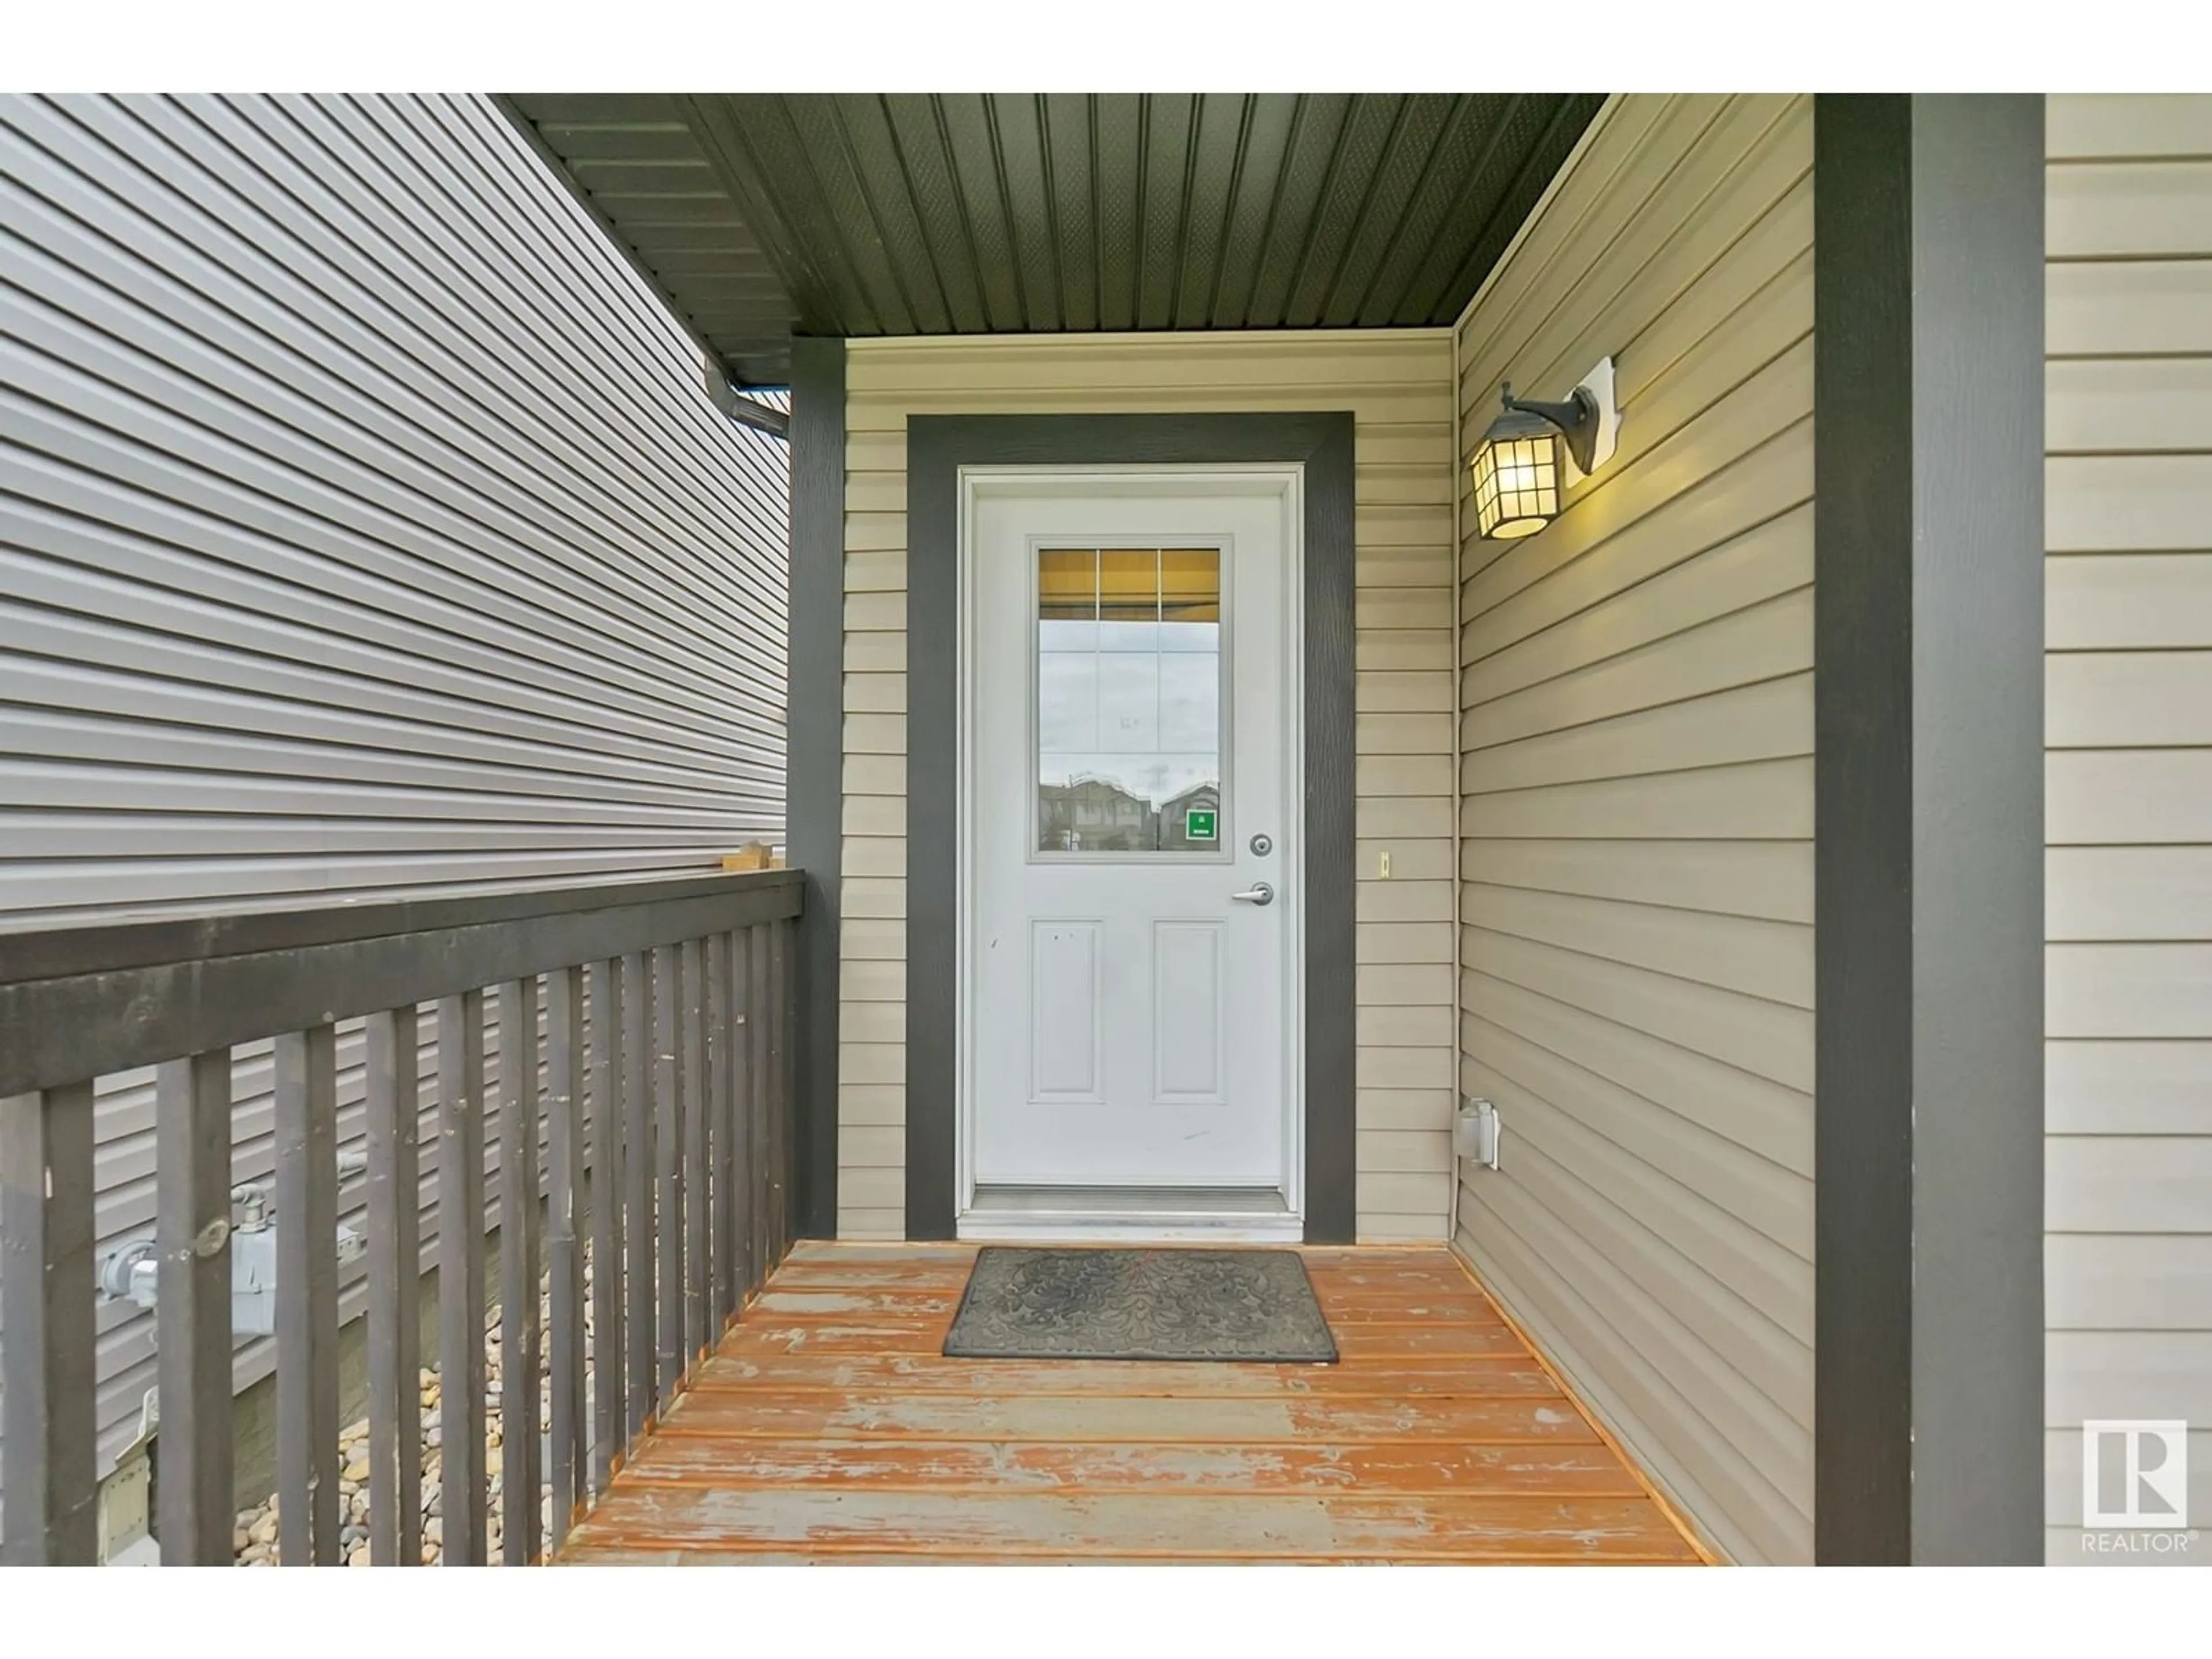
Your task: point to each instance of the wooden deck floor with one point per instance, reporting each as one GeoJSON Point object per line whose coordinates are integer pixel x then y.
{"type": "Point", "coordinates": [830, 1428]}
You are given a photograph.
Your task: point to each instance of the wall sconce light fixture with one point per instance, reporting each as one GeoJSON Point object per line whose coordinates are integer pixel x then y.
{"type": "Point", "coordinates": [1520, 466]}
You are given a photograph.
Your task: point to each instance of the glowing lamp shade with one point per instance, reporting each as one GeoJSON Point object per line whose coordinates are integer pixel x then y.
{"type": "Point", "coordinates": [1517, 476]}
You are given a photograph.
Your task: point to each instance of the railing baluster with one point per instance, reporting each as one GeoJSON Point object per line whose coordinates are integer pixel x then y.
{"type": "Point", "coordinates": [606, 1126]}
{"type": "Point", "coordinates": [759, 1019]}
{"type": "Point", "coordinates": [564, 1047]}
{"type": "Point", "coordinates": [739, 1157]}
{"type": "Point", "coordinates": [464, 1502]}
{"type": "Point", "coordinates": [306, 1106]}
{"type": "Point", "coordinates": [192, 1136]}
{"type": "Point", "coordinates": [698, 1182]}
{"type": "Point", "coordinates": [715, 993]}
{"type": "Point", "coordinates": [779, 1113]}
{"type": "Point", "coordinates": [47, 1433]}
{"type": "Point", "coordinates": [395, 1280]}
{"type": "Point", "coordinates": [519, 1226]}
{"type": "Point", "coordinates": [668, 987]}
{"type": "Point", "coordinates": [637, 1155]}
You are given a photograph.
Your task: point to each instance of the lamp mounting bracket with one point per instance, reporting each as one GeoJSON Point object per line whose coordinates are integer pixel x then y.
{"type": "Point", "coordinates": [1577, 419]}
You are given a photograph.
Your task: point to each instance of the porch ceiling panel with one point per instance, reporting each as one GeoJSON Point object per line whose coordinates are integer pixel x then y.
{"type": "Point", "coordinates": [853, 215]}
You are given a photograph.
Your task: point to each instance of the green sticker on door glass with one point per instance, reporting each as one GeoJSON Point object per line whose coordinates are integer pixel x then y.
{"type": "Point", "coordinates": [1198, 824]}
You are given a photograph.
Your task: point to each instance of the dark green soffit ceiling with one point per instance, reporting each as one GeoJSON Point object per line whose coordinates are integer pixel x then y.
{"type": "Point", "coordinates": [761, 216]}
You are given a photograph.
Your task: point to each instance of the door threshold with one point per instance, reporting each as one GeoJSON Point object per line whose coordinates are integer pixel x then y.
{"type": "Point", "coordinates": [1056, 1215]}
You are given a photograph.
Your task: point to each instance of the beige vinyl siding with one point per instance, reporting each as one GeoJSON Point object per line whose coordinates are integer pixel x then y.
{"type": "Point", "coordinates": [2128, 1260]}
{"type": "Point", "coordinates": [1398, 385]}
{"type": "Point", "coordinates": [1637, 695]}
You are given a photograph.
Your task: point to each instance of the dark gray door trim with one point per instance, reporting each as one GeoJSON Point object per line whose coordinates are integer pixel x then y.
{"type": "Point", "coordinates": [815, 758]}
{"type": "Point", "coordinates": [937, 447]}
{"type": "Point", "coordinates": [1928, 379]}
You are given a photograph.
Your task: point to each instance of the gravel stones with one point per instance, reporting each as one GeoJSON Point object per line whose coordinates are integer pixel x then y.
{"type": "Point", "coordinates": [254, 1539]}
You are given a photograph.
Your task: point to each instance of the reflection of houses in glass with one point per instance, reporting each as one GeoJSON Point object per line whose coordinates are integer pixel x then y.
{"type": "Point", "coordinates": [1093, 815]}
{"type": "Point", "coordinates": [1175, 819]}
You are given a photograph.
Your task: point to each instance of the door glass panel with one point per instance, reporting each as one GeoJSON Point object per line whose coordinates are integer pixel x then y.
{"type": "Point", "coordinates": [1128, 724]}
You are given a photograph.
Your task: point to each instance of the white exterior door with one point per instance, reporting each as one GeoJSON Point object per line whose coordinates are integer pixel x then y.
{"type": "Point", "coordinates": [1132, 846]}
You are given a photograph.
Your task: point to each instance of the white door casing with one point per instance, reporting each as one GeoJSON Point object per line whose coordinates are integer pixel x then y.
{"type": "Point", "coordinates": [1128, 1021]}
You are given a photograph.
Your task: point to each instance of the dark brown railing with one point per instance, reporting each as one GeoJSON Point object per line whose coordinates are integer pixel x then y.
{"type": "Point", "coordinates": [656, 1100]}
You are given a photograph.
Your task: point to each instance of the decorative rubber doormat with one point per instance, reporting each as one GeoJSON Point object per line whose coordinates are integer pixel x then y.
{"type": "Point", "coordinates": [1140, 1304]}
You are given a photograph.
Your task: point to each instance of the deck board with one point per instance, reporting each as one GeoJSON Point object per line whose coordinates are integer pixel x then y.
{"type": "Point", "coordinates": [829, 1426]}
{"type": "Point", "coordinates": [928, 1374]}
{"type": "Point", "coordinates": [1579, 1469]}
{"type": "Point", "coordinates": [1076, 1419]}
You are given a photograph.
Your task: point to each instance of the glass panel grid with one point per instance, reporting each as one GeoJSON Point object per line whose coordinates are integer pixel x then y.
{"type": "Point", "coordinates": [1516, 479]}
{"type": "Point", "coordinates": [1128, 699]}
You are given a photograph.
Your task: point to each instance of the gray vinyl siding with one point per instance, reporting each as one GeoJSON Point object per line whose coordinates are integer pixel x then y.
{"type": "Point", "coordinates": [365, 528]}
{"type": "Point", "coordinates": [2128, 1258]}
{"type": "Point", "coordinates": [1636, 782]}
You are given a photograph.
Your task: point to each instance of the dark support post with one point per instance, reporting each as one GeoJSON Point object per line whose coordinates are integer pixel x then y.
{"type": "Point", "coordinates": [1332, 1081]}
{"type": "Point", "coordinates": [47, 1474]}
{"type": "Point", "coordinates": [1929, 827]}
{"type": "Point", "coordinates": [814, 759]}
{"type": "Point", "coordinates": [193, 1450]}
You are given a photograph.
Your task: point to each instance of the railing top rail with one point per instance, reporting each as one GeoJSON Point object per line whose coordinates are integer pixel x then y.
{"type": "Point", "coordinates": [110, 998]}
{"type": "Point", "coordinates": [37, 953]}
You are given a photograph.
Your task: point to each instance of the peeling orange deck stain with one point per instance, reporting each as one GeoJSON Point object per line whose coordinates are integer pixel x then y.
{"type": "Point", "coordinates": [829, 1427]}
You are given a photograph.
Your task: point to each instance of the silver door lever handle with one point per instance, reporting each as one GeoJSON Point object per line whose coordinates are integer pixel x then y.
{"type": "Point", "coordinates": [1258, 893]}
